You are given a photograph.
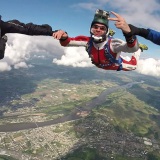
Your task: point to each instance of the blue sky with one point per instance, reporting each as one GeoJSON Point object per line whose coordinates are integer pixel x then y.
{"type": "Point", "coordinates": [75, 16]}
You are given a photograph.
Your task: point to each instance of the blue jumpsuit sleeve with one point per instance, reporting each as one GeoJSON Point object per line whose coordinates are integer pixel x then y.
{"type": "Point", "coordinates": [154, 36]}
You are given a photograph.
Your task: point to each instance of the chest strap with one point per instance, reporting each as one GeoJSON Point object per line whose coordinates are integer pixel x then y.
{"type": "Point", "coordinates": [110, 57]}
{"type": "Point", "coordinates": [107, 53]}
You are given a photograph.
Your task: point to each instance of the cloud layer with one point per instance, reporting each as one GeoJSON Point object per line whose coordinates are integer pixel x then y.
{"type": "Point", "coordinates": [74, 56]}
{"type": "Point", "coordinates": [149, 66]}
{"type": "Point", "coordinates": [78, 57]}
{"type": "Point", "coordinates": [20, 48]}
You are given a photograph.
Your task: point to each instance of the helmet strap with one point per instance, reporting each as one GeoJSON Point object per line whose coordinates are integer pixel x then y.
{"type": "Point", "coordinates": [100, 39]}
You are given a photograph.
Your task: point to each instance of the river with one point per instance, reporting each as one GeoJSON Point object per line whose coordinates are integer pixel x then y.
{"type": "Point", "coordinates": [87, 106]}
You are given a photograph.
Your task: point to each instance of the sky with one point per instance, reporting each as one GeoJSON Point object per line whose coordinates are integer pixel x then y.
{"type": "Point", "coordinates": [75, 17]}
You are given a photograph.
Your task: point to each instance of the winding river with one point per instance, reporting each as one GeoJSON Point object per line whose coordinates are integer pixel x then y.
{"type": "Point", "coordinates": [87, 106]}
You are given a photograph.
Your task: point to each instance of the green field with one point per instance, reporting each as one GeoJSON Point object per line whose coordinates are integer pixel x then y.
{"type": "Point", "coordinates": [48, 91]}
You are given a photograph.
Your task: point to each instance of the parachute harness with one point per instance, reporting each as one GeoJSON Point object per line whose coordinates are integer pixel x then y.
{"type": "Point", "coordinates": [107, 53]}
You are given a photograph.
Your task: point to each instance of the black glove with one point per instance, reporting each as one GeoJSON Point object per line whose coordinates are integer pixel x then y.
{"type": "Point", "coordinates": [136, 31]}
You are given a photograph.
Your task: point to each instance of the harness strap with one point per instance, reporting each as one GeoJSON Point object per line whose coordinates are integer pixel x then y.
{"type": "Point", "coordinates": [108, 55]}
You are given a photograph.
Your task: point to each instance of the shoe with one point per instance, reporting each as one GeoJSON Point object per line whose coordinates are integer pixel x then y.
{"type": "Point", "coordinates": [111, 32]}
{"type": "Point", "coordinates": [143, 47]}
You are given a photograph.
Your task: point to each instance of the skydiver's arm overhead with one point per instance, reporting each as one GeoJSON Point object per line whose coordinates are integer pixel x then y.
{"type": "Point", "coordinates": [120, 23]}
{"type": "Point", "coordinates": [15, 26]}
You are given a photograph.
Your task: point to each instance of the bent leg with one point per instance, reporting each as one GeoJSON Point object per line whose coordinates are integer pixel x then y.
{"type": "Point", "coordinates": [137, 54]}
{"type": "Point", "coordinates": [131, 64]}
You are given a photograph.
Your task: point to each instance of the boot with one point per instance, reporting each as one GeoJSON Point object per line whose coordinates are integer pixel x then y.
{"type": "Point", "coordinates": [143, 47]}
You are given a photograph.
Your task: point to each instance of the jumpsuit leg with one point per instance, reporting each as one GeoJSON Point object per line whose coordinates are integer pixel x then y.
{"type": "Point", "coordinates": [132, 63]}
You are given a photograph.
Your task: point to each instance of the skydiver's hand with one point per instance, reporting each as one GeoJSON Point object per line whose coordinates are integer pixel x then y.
{"type": "Point", "coordinates": [120, 23]}
{"type": "Point", "coordinates": [60, 35]}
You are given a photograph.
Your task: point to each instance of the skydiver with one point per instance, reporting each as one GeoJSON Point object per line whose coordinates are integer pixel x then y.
{"type": "Point", "coordinates": [15, 26]}
{"type": "Point", "coordinates": [104, 50]}
{"type": "Point", "coordinates": [129, 30]}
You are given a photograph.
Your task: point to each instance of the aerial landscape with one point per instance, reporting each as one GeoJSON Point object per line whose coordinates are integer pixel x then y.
{"type": "Point", "coordinates": [80, 80]}
{"type": "Point", "coordinates": [56, 112]}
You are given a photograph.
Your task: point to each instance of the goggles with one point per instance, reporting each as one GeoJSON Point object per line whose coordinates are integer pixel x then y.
{"type": "Point", "coordinates": [102, 28]}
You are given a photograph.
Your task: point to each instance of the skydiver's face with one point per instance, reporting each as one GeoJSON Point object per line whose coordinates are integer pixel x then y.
{"type": "Point", "coordinates": [99, 29]}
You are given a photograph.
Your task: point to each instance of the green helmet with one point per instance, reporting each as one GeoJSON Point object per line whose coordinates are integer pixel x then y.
{"type": "Point", "coordinates": [101, 17]}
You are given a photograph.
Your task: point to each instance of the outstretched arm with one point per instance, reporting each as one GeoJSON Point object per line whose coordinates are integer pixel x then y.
{"type": "Point", "coordinates": [15, 26]}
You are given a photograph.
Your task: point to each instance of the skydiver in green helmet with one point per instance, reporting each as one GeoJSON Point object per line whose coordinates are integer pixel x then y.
{"type": "Point", "coordinates": [104, 50]}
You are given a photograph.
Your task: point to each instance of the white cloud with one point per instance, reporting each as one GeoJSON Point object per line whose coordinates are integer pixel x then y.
{"type": "Point", "coordinates": [4, 67]}
{"type": "Point", "coordinates": [19, 48]}
{"type": "Point", "coordinates": [20, 65]}
{"type": "Point", "coordinates": [137, 12]}
{"type": "Point", "coordinates": [74, 56]}
{"type": "Point", "coordinates": [149, 66]}
{"type": "Point", "coordinates": [78, 57]}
